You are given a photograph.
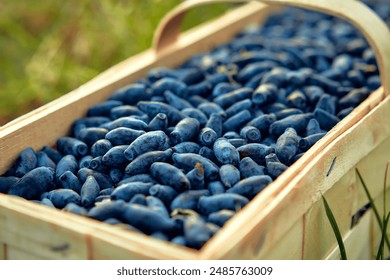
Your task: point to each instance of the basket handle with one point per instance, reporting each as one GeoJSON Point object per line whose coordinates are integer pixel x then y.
{"type": "Point", "coordinates": [363, 18]}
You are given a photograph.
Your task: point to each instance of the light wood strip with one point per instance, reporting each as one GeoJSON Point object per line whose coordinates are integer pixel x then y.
{"type": "Point", "coordinates": [3, 251]}
{"type": "Point", "coordinates": [356, 241]}
{"type": "Point", "coordinates": [16, 253]}
{"type": "Point", "coordinates": [319, 237]}
{"type": "Point", "coordinates": [61, 235]}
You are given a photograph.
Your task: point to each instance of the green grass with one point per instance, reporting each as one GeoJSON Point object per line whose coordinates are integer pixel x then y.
{"type": "Point", "coordinates": [48, 48]}
{"type": "Point", "coordinates": [382, 222]}
{"type": "Point", "coordinates": [335, 228]}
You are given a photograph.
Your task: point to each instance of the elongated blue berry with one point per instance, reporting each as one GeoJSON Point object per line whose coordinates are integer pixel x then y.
{"type": "Point", "coordinates": [225, 152]}
{"type": "Point", "coordinates": [251, 134]}
{"type": "Point", "coordinates": [123, 135]}
{"type": "Point", "coordinates": [52, 153]}
{"type": "Point", "coordinates": [326, 120]}
{"type": "Point", "coordinates": [89, 191]}
{"type": "Point", "coordinates": [196, 177]}
{"type": "Point", "coordinates": [176, 101]}
{"type": "Point", "coordinates": [287, 145]}
{"type": "Point", "coordinates": [298, 122]}
{"type": "Point", "coordinates": [186, 130]}
{"type": "Point", "coordinates": [146, 178]}
{"type": "Point", "coordinates": [215, 187]}
{"type": "Point", "coordinates": [251, 186]}
{"type": "Point", "coordinates": [313, 127]}
{"type": "Point", "coordinates": [207, 136]}
{"type": "Point", "coordinates": [249, 168]}
{"type": "Point", "coordinates": [186, 147]}
{"type": "Point", "coordinates": [159, 122]}
{"type": "Point", "coordinates": [237, 121]}
{"type": "Point", "coordinates": [215, 123]}
{"type": "Point", "coordinates": [264, 94]}
{"type": "Point", "coordinates": [90, 135]}
{"type": "Point", "coordinates": [170, 175]}
{"type": "Point", "coordinates": [103, 179]}
{"type": "Point", "coordinates": [115, 157]}
{"type": "Point", "coordinates": [43, 160]}
{"type": "Point", "coordinates": [62, 197]}
{"type": "Point", "coordinates": [69, 180]}
{"type": "Point", "coordinates": [255, 151]}
{"type": "Point", "coordinates": [196, 114]}
{"type": "Point", "coordinates": [110, 209]}
{"type": "Point", "coordinates": [131, 94]}
{"type": "Point", "coordinates": [214, 203]}
{"type": "Point", "coordinates": [262, 122]}
{"type": "Point", "coordinates": [72, 146]}
{"type": "Point", "coordinates": [148, 142]}
{"type": "Point", "coordinates": [153, 108]}
{"type": "Point", "coordinates": [209, 108]}
{"type": "Point", "coordinates": [165, 193]}
{"type": "Point", "coordinates": [242, 105]}
{"type": "Point", "coordinates": [157, 205]}
{"type": "Point", "coordinates": [220, 217]}
{"type": "Point", "coordinates": [33, 183]}
{"type": "Point", "coordinates": [229, 174]}
{"type": "Point", "coordinates": [228, 99]}
{"type": "Point", "coordinates": [306, 142]}
{"type": "Point", "coordinates": [123, 111]}
{"type": "Point", "coordinates": [187, 161]}
{"type": "Point", "coordinates": [26, 161]}
{"type": "Point", "coordinates": [67, 163]}
{"type": "Point", "coordinates": [142, 163]}
{"type": "Point", "coordinates": [147, 219]}
{"type": "Point", "coordinates": [274, 166]}
{"type": "Point", "coordinates": [188, 199]}
{"type": "Point", "coordinates": [169, 84]}
{"type": "Point", "coordinates": [7, 182]}
{"type": "Point", "coordinates": [75, 209]}
{"type": "Point", "coordinates": [103, 109]}
{"type": "Point", "coordinates": [127, 191]}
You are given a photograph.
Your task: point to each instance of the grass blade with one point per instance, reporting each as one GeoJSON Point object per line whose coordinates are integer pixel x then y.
{"type": "Point", "coordinates": [335, 228]}
{"type": "Point", "coordinates": [384, 191]}
{"type": "Point", "coordinates": [374, 208]}
{"type": "Point", "coordinates": [381, 248]}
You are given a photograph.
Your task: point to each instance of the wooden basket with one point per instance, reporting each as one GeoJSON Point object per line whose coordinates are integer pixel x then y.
{"type": "Point", "coordinates": [285, 221]}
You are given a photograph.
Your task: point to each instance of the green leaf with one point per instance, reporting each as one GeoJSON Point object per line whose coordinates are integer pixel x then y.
{"type": "Point", "coordinates": [335, 228]}
{"type": "Point", "coordinates": [374, 208]}
{"type": "Point", "coordinates": [381, 248]}
{"type": "Point", "coordinates": [384, 191]}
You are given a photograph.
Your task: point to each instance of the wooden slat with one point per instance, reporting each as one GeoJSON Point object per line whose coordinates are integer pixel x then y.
{"type": "Point", "coordinates": [3, 251]}
{"type": "Point", "coordinates": [59, 235]}
{"type": "Point", "coordinates": [361, 242]}
{"type": "Point", "coordinates": [356, 241]}
{"type": "Point", "coordinates": [34, 231]}
{"type": "Point", "coordinates": [289, 247]}
{"type": "Point", "coordinates": [372, 169]}
{"type": "Point", "coordinates": [319, 237]}
{"type": "Point", "coordinates": [375, 230]}
{"type": "Point", "coordinates": [16, 253]}
{"type": "Point", "coordinates": [125, 247]}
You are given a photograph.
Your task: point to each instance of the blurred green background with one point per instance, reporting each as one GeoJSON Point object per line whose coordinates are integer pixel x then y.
{"type": "Point", "coordinates": [48, 48]}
